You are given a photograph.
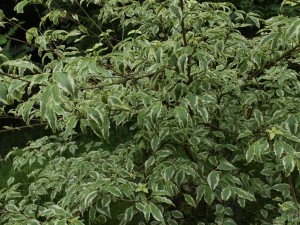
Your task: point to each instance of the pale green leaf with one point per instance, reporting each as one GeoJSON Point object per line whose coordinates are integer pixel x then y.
{"type": "Point", "coordinates": [65, 82]}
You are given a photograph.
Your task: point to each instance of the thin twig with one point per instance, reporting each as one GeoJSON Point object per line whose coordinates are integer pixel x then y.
{"type": "Point", "coordinates": [14, 77]}
{"type": "Point", "coordinates": [270, 64]}
{"type": "Point", "coordinates": [22, 127]}
{"type": "Point", "coordinates": [124, 80]}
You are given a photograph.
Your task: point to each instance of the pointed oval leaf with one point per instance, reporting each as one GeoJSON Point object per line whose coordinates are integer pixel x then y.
{"type": "Point", "coordinates": [156, 213]}
{"type": "Point", "coordinates": [288, 164]}
{"type": "Point", "coordinates": [128, 214]}
{"type": "Point", "coordinates": [182, 116]}
{"type": "Point", "coordinates": [226, 193]}
{"type": "Point", "coordinates": [189, 199]}
{"type": "Point", "coordinates": [89, 198]}
{"type": "Point", "coordinates": [65, 82]}
{"type": "Point", "coordinates": [213, 179]}
{"type": "Point", "coordinates": [149, 163]}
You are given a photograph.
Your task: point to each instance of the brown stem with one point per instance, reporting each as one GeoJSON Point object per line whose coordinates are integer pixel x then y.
{"type": "Point", "coordinates": [13, 77]}
{"type": "Point", "coordinates": [293, 192]}
{"type": "Point", "coordinates": [22, 127]}
{"type": "Point", "coordinates": [192, 156]}
{"type": "Point", "coordinates": [123, 81]}
{"type": "Point", "coordinates": [285, 55]}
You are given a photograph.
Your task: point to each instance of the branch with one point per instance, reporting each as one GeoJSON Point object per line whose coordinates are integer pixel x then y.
{"type": "Point", "coordinates": [14, 77]}
{"type": "Point", "coordinates": [189, 152]}
{"type": "Point", "coordinates": [123, 81]}
{"type": "Point", "coordinates": [183, 33]}
{"type": "Point", "coordinates": [22, 127]}
{"type": "Point", "coordinates": [183, 30]}
{"type": "Point", "coordinates": [285, 55]}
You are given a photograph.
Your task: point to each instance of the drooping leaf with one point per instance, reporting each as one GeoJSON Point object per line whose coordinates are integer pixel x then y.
{"type": "Point", "coordinates": [65, 81]}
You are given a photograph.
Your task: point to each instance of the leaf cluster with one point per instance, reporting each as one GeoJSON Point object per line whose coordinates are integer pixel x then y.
{"type": "Point", "coordinates": [212, 116]}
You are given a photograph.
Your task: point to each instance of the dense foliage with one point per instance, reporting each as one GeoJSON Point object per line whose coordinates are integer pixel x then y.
{"type": "Point", "coordinates": [162, 112]}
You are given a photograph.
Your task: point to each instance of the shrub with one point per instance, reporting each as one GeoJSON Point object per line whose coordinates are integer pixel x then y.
{"type": "Point", "coordinates": [193, 122]}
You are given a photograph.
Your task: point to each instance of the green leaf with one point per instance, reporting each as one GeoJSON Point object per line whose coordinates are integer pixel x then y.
{"type": "Point", "coordinates": [89, 198]}
{"type": "Point", "coordinates": [163, 200]}
{"type": "Point", "coordinates": [169, 172]}
{"type": "Point", "coordinates": [213, 179]}
{"type": "Point", "coordinates": [51, 118]}
{"type": "Point", "coordinates": [294, 30]}
{"type": "Point", "coordinates": [128, 214]}
{"type": "Point", "coordinates": [281, 187]}
{"type": "Point", "coordinates": [149, 163]}
{"type": "Point", "coordinates": [32, 222]}
{"type": "Point", "coordinates": [291, 124]}
{"type": "Point", "coordinates": [20, 6]}
{"type": "Point", "coordinates": [176, 11]}
{"type": "Point", "coordinates": [177, 214]}
{"type": "Point", "coordinates": [59, 211]}
{"type": "Point", "coordinates": [146, 212]}
{"type": "Point", "coordinates": [26, 110]}
{"type": "Point", "coordinates": [11, 208]}
{"type": "Point", "coordinates": [22, 64]}
{"type": "Point", "coordinates": [65, 82]}
{"type": "Point", "coordinates": [105, 125]}
{"type": "Point", "coordinates": [243, 194]}
{"type": "Point", "coordinates": [209, 195]}
{"type": "Point", "coordinates": [155, 111]}
{"type": "Point", "coordinates": [288, 164]}
{"type": "Point", "coordinates": [226, 193]}
{"type": "Point", "coordinates": [189, 199]}
{"type": "Point", "coordinates": [3, 93]}
{"type": "Point", "coordinates": [155, 142]}
{"type": "Point", "coordinates": [200, 192]}
{"type": "Point", "coordinates": [99, 122]}
{"type": "Point", "coordinates": [114, 191]}
{"type": "Point", "coordinates": [225, 165]}
{"type": "Point", "coordinates": [290, 136]}
{"type": "Point", "coordinates": [156, 213]}
{"type": "Point", "coordinates": [192, 100]}
{"type": "Point", "coordinates": [204, 113]}
{"type": "Point", "coordinates": [182, 63]}
{"type": "Point", "coordinates": [245, 134]}
{"type": "Point", "coordinates": [253, 148]}
{"type": "Point", "coordinates": [258, 116]}
{"type": "Point", "coordinates": [280, 147]}
{"type": "Point", "coordinates": [77, 222]}
{"type": "Point", "coordinates": [71, 124]}
{"type": "Point", "coordinates": [182, 116]}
